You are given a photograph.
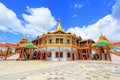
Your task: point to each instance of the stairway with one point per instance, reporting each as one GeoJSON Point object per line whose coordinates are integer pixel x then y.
{"type": "Point", "coordinates": [116, 53]}
{"type": "Point", "coordinates": [13, 56]}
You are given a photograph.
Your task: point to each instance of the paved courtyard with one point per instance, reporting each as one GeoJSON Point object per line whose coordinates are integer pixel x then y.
{"type": "Point", "coordinates": [67, 70]}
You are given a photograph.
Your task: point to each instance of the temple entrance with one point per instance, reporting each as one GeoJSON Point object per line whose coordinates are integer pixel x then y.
{"type": "Point", "coordinates": [79, 56]}
{"type": "Point", "coordinates": [43, 56]}
{"type": "Point", "coordinates": [73, 56]}
{"type": "Point", "coordinates": [56, 54]}
{"type": "Point", "coordinates": [95, 57]}
{"type": "Point", "coordinates": [84, 57]}
{"type": "Point", "coordinates": [68, 55]}
{"type": "Point", "coordinates": [59, 56]}
{"type": "Point", "coordinates": [105, 56]}
{"type": "Point", "coordinates": [49, 55]}
{"type": "Point", "coordinates": [34, 55]}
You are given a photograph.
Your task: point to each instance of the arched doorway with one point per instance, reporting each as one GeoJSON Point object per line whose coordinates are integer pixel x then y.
{"type": "Point", "coordinates": [50, 55]}
{"type": "Point", "coordinates": [43, 55]}
{"type": "Point", "coordinates": [34, 55]}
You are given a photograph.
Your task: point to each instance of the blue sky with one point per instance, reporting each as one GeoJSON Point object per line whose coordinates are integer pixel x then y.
{"type": "Point", "coordinates": [86, 18]}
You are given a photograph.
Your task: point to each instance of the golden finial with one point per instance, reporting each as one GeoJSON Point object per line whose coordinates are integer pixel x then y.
{"type": "Point", "coordinates": [58, 20]}
{"type": "Point", "coordinates": [101, 34]}
{"type": "Point", "coordinates": [25, 37]}
{"type": "Point", "coordinates": [102, 38]}
{"type": "Point", "coordinates": [59, 27]}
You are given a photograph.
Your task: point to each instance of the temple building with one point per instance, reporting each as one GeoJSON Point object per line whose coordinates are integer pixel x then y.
{"type": "Point", "coordinates": [61, 46]}
{"type": "Point", "coordinates": [103, 47]}
{"type": "Point", "coordinates": [64, 46]}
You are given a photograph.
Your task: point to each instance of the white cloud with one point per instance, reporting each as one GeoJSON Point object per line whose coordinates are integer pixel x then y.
{"type": "Point", "coordinates": [2, 28]}
{"type": "Point", "coordinates": [9, 21]}
{"type": "Point", "coordinates": [109, 25]}
{"type": "Point", "coordinates": [74, 15]}
{"type": "Point", "coordinates": [39, 21]}
{"type": "Point", "coordinates": [116, 10]}
{"type": "Point", "coordinates": [78, 6]}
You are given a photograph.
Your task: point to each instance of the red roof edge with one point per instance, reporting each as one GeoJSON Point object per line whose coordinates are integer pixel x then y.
{"type": "Point", "coordinates": [8, 45]}
{"type": "Point", "coordinates": [117, 43]}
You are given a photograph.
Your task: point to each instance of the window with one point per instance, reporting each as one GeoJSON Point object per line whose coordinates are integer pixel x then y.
{"type": "Point", "coordinates": [45, 41]}
{"type": "Point", "coordinates": [56, 55]}
{"type": "Point", "coordinates": [40, 42]}
{"type": "Point", "coordinates": [68, 55]}
{"type": "Point", "coordinates": [68, 41]}
{"type": "Point", "coordinates": [72, 42]}
{"type": "Point", "coordinates": [49, 54]}
{"type": "Point", "coordinates": [84, 51]}
{"type": "Point", "coordinates": [36, 43]}
{"type": "Point", "coordinates": [61, 54]}
{"type": "Point", "coordinates": [57, 40]}
{"type": "Point", "coordinates": [50, 40]}
{"type": "Point", "coordinates": [61, 40]}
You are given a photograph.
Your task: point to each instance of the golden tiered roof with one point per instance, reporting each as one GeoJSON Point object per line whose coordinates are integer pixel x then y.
{"type": "Point", "coordinates": [102, 38]}
{"type": "Point", "coordinates": [23, 41]}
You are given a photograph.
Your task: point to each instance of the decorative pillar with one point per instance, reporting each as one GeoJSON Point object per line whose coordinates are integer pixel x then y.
{"type": "Point", "coordinates": [22, 54]}
{"type": "Point", "coordinates": [28, 54]}
{"type": "Point", "coordinates": [77, 55]}
{"type": "Point", "coordinates": [99, 52]}
{"type": "Point", "coordinates": [19, 50]}
{"type": "Point", "coordinates": [36, 55]}
{"type": "Point", "coordinates": [71, 54]}
{"type": "Point", "coordinates": [6, 53]}
{"type": "Point", "coordinates": [58, 53]}
{"type": "Point", "coordinates": [109, 56]}
{"type": "Point", "coordinates": [81, 56]}
{"type": "Point", "coordinates": [41, 55]}
{"type": "Point", "coordinates": [89, 54]}
{"type": "Point", "coordinates": [46, 54]}
{"type": "Point", "coordinates": [30, 51]}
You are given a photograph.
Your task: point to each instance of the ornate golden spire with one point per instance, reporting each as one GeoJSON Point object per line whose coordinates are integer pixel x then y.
{"type": "Point", "coordinates": [102, 38]}
{"type": "Point", "coordinates": [59, 27]}
{"type": "Point", "coordinates": [101, 34]}
{"type": "Point", "coordinates": [25, 37]}
{"type": "Point", "coordinates": [24, 40]}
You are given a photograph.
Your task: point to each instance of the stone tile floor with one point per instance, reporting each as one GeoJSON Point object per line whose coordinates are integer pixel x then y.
{"type": "Point", "coordinates": [68, 70]}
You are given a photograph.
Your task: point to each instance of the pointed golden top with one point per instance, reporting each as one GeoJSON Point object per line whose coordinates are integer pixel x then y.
{"type": "Point", "coordinates": [24, 40]}
{"type": "Point", "coordinates": [59, 27]}
{"type": "Point", "coordinates": [102, 38]}
{"type": "Point", "coordinates": [101, 34]}
{"type": "Point", "coordinates": [25, 36]}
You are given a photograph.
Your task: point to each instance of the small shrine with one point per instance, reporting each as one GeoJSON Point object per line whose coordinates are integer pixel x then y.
{"type": "Point", "coordinates": [103, 46]}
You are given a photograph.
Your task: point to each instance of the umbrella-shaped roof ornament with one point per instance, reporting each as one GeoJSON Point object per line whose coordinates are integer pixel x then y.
{"type": "Point", "coordinates": [102, 44]}
{"type": "Point", "coordinates": [30, 46]}
{"type": "Point", "coordinates": [102, 41]}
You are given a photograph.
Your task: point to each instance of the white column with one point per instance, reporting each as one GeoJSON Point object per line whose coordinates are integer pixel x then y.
{"type": "Point", "coordinates": [53, 56]}
{"type": "Point", "coordinates": [64, 56]}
